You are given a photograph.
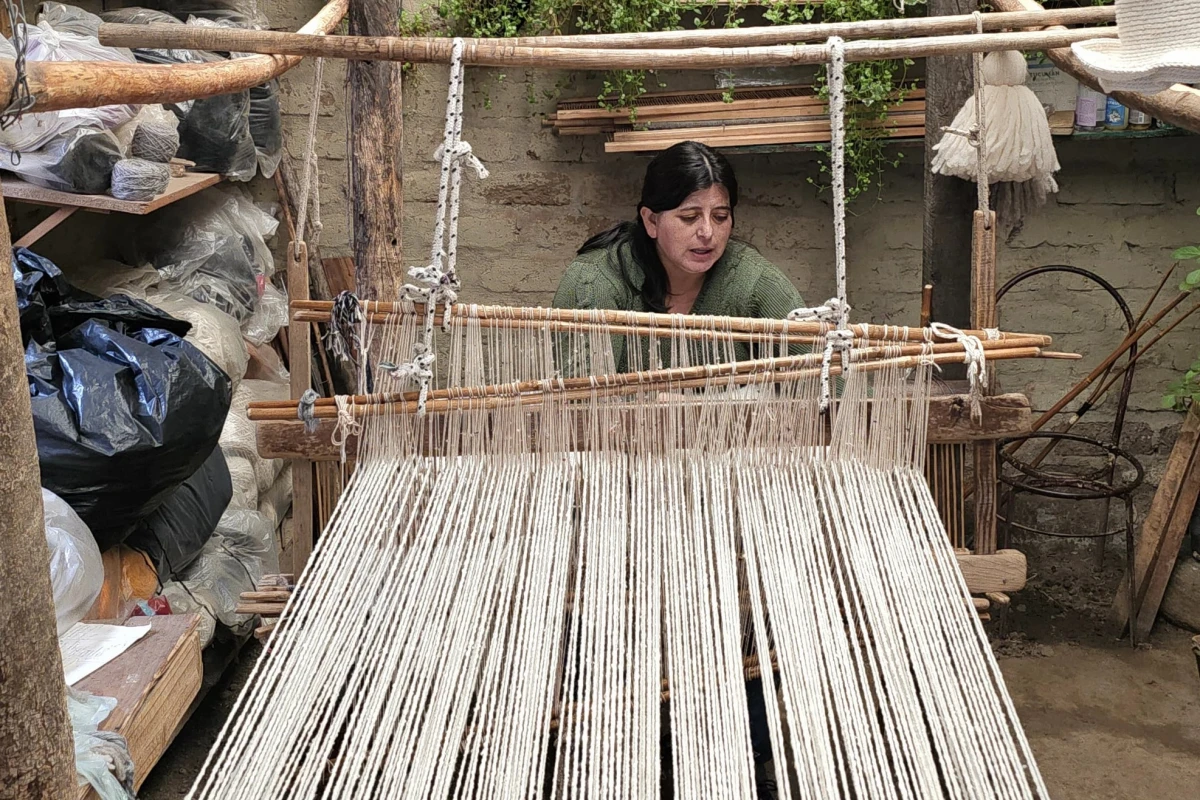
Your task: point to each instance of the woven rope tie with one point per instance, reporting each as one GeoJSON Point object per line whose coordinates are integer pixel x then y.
{"type": "Point", "coordinates": [347, 424]}
{"type": "Point", "coordinates": [833, 311]}
{"type": "Point", "coordinates": [974, 357]}
{"type": "Point", "coordinates": [305, 410]}
{"type": "Point", "coordinates": [841, 341]}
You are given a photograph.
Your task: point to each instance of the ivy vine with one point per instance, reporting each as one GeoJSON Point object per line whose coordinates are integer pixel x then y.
{"type": "Point", "coordinates": [1186, 389]}
{"type": "Point", "coordinates": [872, 88]}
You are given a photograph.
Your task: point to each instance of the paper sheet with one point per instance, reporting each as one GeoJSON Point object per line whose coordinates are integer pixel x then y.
{"type": "Point", "coordinates": [86, 647]}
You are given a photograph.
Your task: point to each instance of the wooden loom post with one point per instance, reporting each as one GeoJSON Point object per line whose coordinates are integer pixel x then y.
{"type": "Point", "coordinates": [946, 241]}
{"type": "Point", "coordinates": [983, 315]}
{"type": "Point", "coordinates": [300, 364]}
{"type": "Point", "coordinates": [376, 163]}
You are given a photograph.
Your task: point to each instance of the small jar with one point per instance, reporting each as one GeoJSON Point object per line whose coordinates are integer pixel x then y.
{"type": "Point", "coordinates": [1139, 120]}
{"type": "Point", "coordinates": [1089, 109]}
{"type": "Point", "coordinates": [1116, 116]}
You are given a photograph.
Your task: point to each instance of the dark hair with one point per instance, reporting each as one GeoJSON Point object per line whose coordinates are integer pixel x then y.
{"type": "Point", "coordinates": [671, 177]}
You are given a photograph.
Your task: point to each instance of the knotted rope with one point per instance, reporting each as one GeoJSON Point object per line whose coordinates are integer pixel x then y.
{"type": "Point", "coordinates": [439, 278]}
{"type": "Point", "coordinates": [305, 410]}
{"type": "Point", "coordinates": [976, 135]}
{"type": "Point", "coordinates": [973, 357]}
{"type": "Point", "coordinates": [835, 311]}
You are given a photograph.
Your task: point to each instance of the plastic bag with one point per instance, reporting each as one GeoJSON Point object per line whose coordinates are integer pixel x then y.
{"type": "Point", "coordinates": [101, 757]}
{"type": "Point", "coordinates": [147, 16]}
{"type": "Point", "coordinates": [239, 437]}
{"type": "Point", "coordinates": [69, 19]}
{"type": "Point", "coordinates": [275, 501]}
{"type": "Point", "coordinates": [266, 365]}
{"type": "Point", "coordinates": [211, 247]}
{"type": "Point", "coordinates": [80, 160]}
{"type": "Point", "coordinates": [124, 409]}
{"type": "Point", "coordinates": [237, 13]}
{"type": "Point", "coordinates": [129, 579]}
{"type": "Point", "coordinates": [76, 570]}
{"type": "Point", "coordinates": [139, 179]}
{"type": "Point", "coordinates": [271, 315]}
{"type": "Point", "coordinates": [214, 332]}
{"type": "Point", "coordinates": [175, 533]}
{"type": "Point", "coordinates": [33, 131]}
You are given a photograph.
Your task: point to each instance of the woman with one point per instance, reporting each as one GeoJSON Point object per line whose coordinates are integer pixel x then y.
{"type": "Point", "coordinates": [677, 255]}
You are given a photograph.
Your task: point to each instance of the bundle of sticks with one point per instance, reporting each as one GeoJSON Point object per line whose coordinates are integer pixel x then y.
{"type": "Point", "coordinates": [752, 116]}
{"type": "Point", "coordinates": [269, 598]}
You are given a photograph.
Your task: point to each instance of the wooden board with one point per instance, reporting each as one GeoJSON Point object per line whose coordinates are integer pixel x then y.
{"type": "Point", "coordinates": [1163, 530]}
{"type": "Point", "coordinates": [733, 139]}
{"type": "Point", "coordinates": [154, 682]}
{"type": "Point", "coordinates": [1001, 571]}
{"type": "Point", "coordinates": [949, 421]}
{"type": "Point", "coordinates": [339, 274]}
{"type": "Point", "coordinates": [177, 189]}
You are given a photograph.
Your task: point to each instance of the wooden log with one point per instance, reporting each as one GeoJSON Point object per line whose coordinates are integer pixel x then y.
{"type": "Point", "coordinates": [376, 169]}
{"type": "Point", "coordinates": [949, 420]}
{"type": "Point", "coordinates": [260, 609]}
{"type": "Point", "coordinates": [1163, 530]}
{"type": "Point", "coordinates": [91, 84]}
{"type": "Point", "coordinates": [1179, 105]}
{"type": "Point", "coordinates": [497, 53]}
{"type": "Point", "coordinates": [1002, 571]}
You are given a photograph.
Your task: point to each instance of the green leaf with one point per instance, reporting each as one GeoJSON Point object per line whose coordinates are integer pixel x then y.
{"type": "Point", "coordinates": [1168, 401]}
{"type": "Point", "coordinates": [1193, 277]}
{"type": "Point", "coordinates": [1187, 254]}
{"type": "Point", "coordinates": [1190, 375]}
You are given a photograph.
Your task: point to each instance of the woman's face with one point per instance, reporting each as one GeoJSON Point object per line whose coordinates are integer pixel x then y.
{"type": "Point", "coordinates": [692, 237]}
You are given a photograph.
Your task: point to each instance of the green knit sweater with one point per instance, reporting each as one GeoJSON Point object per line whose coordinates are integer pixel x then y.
{"type": "Point", "coordinates": [741, 284]}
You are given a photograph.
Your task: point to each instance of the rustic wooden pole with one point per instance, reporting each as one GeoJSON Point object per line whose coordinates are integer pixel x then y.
{"type": "Point", "coordinates": [300, 369]}
{"type": "Point", "coordinates": [376, 170]}
{"type": "Point", "coordinates": [983, 315]}
{"type": "Point", "coordinates": [946, 245]}
{"type": "Point", "coordinates": [37, 758]}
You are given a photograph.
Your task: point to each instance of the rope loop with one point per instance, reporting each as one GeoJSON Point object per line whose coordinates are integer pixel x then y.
{"type": "Point", "coordinates": [306, 410]}
{"type": "Point", "coordinates": [974, 357]}
{"type": "Point", "coordinates": [832, 311]}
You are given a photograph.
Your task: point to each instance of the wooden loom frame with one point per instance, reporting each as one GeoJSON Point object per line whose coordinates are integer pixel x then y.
{"type": "Point", "coordinates": [74, 85]}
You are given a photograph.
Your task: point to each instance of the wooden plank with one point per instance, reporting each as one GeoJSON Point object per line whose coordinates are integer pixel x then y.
{"type": "Point", "coordinates": [177, 189]}
{"type": "Point", "coordinates": [300, 366]}
{"type": "Point", "coordinates": [339, 274]}
{"type": "Point", "coordinates": [949, 421]}
{"type": "Point", "coordinates": [1002, 571]}
{"type": "Point", "coordinates": [154, 682]}
{"type": "Point", "coordinates": [51, 222]}
{"type": "Point", "coordinates": [821, 125]}
{"type": "Point", "coordinates": [1163, 530]}
{"type": "Point", "coordinates": [738, 140]}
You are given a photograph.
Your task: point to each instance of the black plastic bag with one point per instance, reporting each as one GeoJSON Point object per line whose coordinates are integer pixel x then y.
{"type": "Point", "coordinates": [175, 533]}
{"type": "Point", "coordinates": [266, 127]}
{"type": "Point", "coordinates": [124, 409]}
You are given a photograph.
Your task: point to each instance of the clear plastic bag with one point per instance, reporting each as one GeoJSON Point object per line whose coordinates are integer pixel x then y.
{"type": "Point", "coordinates": [238, 439]}
{"type": "Point", "coordinates": [76, 568]}
{"type": "Point", "coordinates": [34, 131]}
{"type": "Point", "coordinates": [101, 757]}
{"type": "Point", "coordinates": [69, 19]}
{"type": "Point", "coordinates": [211, 247]}
{"type": "Point", "coordinates": [268, 318]}
{"type": "Point", "coordinates": [214, 332]}
{"type": "Point", "coordinates": [266, 365]}
{"type": "Point", "coordinates": [79, 160]}
{"type": "Point", "coordinates": [275, 501]}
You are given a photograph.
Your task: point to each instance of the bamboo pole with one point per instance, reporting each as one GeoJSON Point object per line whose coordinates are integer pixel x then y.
{"type": "Point", "coordinates": [496, 53]}
{"type": "Point", "coordinates": [56, 86]}
{"type": "Point", "coordinates": [536, 392]}
{"type": "Point", "coordinates": [819, 32]}
{"type": "Point", "coordinates": [392, 313]}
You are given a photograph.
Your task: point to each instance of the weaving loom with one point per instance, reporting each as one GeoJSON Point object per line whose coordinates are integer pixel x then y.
{"type": "Point", "coordinates": [540, 568]}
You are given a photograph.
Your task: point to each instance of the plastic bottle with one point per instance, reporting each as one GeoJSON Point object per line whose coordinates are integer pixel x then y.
{"type": "Point", "coordinates": [1116, 116]}
{"type": "Point", "coordinates": [1089, 107]}
{"type": "Point", "coordinates": [1139, 120]}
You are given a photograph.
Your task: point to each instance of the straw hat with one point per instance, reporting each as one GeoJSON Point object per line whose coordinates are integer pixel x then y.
{"type": "Point", "coordinates": [1159, 46]}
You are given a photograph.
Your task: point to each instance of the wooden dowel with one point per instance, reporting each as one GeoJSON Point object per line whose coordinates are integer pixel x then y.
{"type": "Point", "coordinates": [926, 305]}
{"type": "Point", "coordinates": [807, 359]}
{"type": "Point", "coordinates": [667, 323]}
{"type": "Point", "coordinates": [618, 385]}
{"type": "Point", "coordinates": [498, 53]}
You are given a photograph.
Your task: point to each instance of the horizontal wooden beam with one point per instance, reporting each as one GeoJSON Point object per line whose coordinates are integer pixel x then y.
{"type": "Point", "coordinates": [1002, 571]}
{"type": "Point", "coordinates": [1004, 416]}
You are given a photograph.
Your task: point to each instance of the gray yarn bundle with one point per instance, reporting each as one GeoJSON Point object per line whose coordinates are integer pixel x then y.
{"type": "Point", "coordinates": [139, 179]}
{"type": "Point", "coordinates": [155, 140]}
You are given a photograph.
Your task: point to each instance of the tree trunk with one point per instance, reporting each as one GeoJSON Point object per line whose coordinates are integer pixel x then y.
{"type": "Point", "coordinates": [949, 201]}
{"type": "Point", "coordinates": [37, 756]}
{"type": "Point", "coordinates": [376, 171]}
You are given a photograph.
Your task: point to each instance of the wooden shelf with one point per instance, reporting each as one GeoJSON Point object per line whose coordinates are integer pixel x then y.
{"type": "Point", "coordinates": [1153, 133]}
{"type": "Point", "coordinates": [177, 189]}
{"type": "Point", "coordinates": [154, 682]}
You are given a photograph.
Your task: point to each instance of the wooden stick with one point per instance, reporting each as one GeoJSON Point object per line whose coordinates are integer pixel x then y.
{"type": "Point", "coordinates": [51, 222]}
{"type": "Point", "coordinates": [498, 53]}
{"type": "Point", "coordinates": [624, 384]}
{"type": "Point", "coordinates": [733, 139]}
{"type": "Point", "coordinates": [983, 298]}
{"type": "Point", "coordinates": [866, 29]}
{"type": "Point", "coordinates": [926, 305]}
{"type": "Point", "coordinates": [667, 323]}
{"type": "Point", "coordinates": [56, 86]}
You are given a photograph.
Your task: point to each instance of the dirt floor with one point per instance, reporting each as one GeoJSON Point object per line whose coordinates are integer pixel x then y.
{"type": "Point", "coordinates": [1104, 720]}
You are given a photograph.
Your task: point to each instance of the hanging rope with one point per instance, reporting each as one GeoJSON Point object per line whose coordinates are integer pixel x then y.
{"type": "Point", "coordinates": [310, 164]}
{"type": "Point", "coordinates": [439, 278]}
{"type": "Point", "coordinates": [975, 359]}
{"type": "Point", "coordinates": [976, 135]}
